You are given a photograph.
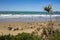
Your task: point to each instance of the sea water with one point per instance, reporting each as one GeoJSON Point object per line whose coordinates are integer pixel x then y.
{"type": "Point", "coordinates": [21, 16]}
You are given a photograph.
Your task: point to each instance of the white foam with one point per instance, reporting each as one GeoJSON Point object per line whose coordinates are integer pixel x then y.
{"type": "Point", "coordinates": [18, 16]}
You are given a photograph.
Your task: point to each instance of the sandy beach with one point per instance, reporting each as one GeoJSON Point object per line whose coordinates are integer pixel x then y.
{"type": "Point", "coordinates": [27, 27]}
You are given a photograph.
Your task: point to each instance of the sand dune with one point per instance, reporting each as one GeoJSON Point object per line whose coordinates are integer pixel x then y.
{"type": "Point", "coordinates": [27, 27]}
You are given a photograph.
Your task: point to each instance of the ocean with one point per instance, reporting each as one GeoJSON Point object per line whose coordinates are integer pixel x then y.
{"type": "Point", "coordinates": [26, 16]}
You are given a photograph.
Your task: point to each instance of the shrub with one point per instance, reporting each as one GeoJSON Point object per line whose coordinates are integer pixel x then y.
{"type": "Point", "coordinates": [26, 36]}
{"type": "Point", "coordinates": [22, 36]}
{"type": "Point", "coordinates": [6, 37]}
{"type": "Point", "coordinates": [56, 35]}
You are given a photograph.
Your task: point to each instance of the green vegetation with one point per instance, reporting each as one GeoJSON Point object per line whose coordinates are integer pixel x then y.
{"type": "Point", "coordinates": [28, 36]}
{"type": "Point", "coordinates": [56, 35]}
{"type": "Point", "coordinates": [22, 36]}
{"type": "Point", "coordinates": [48, 8]}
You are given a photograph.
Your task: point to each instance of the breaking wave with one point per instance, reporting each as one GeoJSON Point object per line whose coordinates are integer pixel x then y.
{"type": "Point", "coordinates": [26, 16]}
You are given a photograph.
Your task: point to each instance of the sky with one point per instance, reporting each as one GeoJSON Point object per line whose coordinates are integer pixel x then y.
{"type": "Point", "coordinates": [28, 5]}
